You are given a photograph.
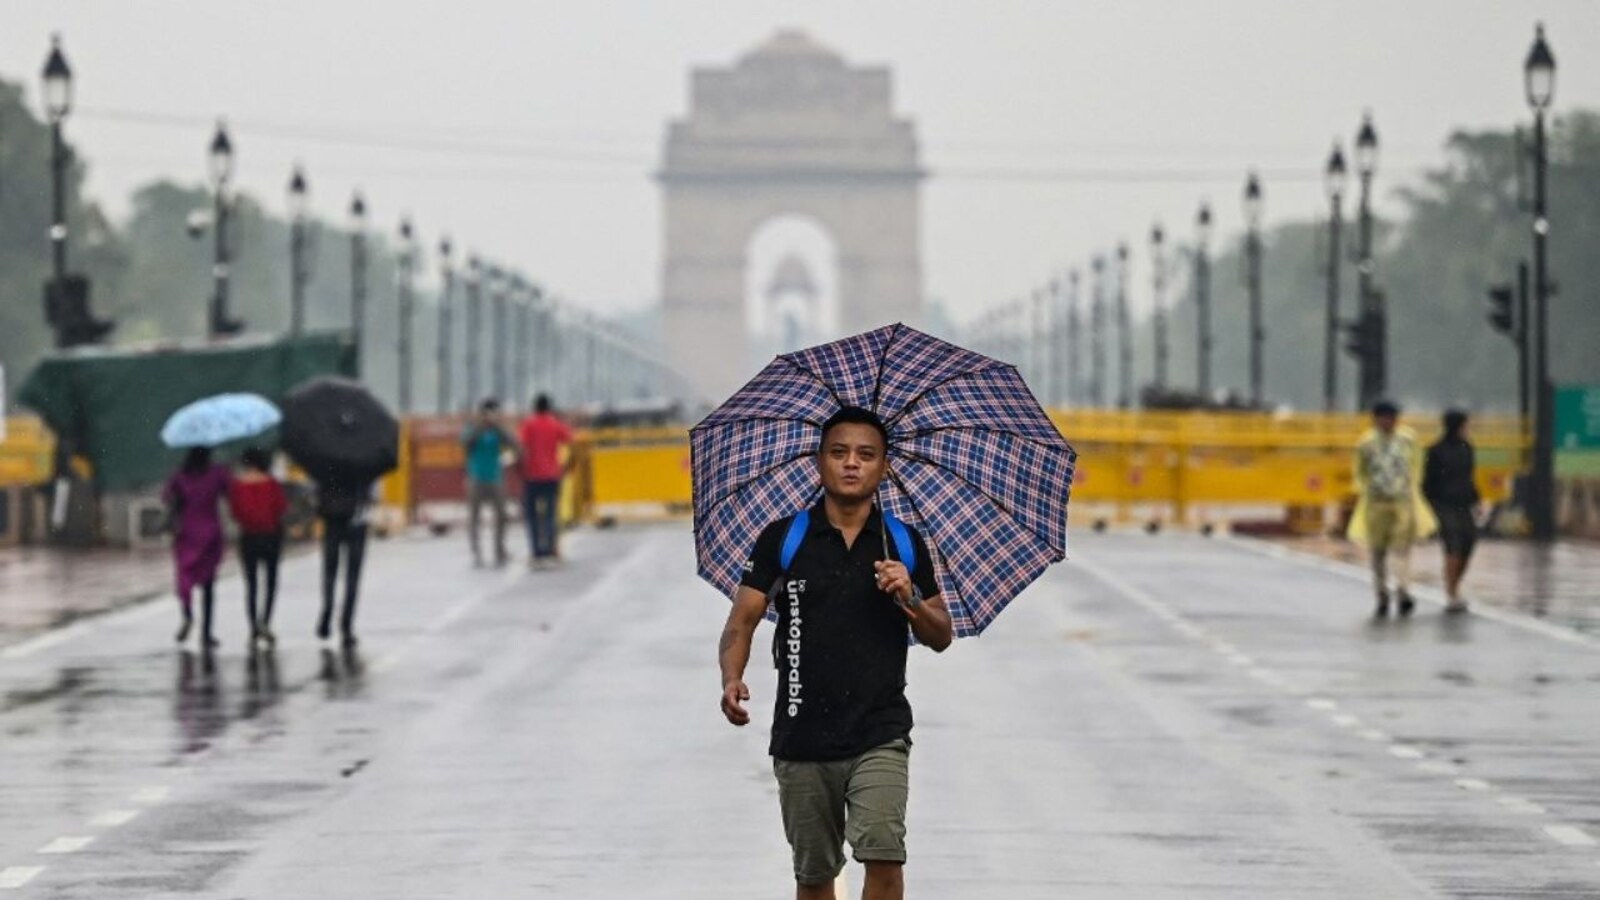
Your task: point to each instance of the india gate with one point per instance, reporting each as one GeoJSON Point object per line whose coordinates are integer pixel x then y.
{"type": "Point", "coordinates": [791, 208]}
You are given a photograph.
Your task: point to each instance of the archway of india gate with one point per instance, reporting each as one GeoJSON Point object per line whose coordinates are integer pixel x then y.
{"type": "Point", "coordinates": [790, 133]}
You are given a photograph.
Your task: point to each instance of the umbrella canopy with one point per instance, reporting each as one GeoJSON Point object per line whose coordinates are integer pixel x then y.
{"type": "Point", "coordinates": [218, 420]}
{"type": "Point", "coordinates": [974, 462]}
{"type": "Point", "coordinates": [337, 431]}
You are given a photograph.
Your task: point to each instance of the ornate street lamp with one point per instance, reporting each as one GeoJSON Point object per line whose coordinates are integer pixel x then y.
{"type": "Point", "coordinates": [219, 165]}
{"type": "Point", "coordinates": [1372, 341]}
{"type": "Point", "coordinates": [1124, 332]}
{"type": "Point", "coordinates": [298, 204]}
{"type": "Point", "coordinates": [1334, 182]}
{"type": "Point", "coordinates": [1539, 76]}
{"type": "Point", "coordinates": [474, 335]}
{"type": "Point", "coordinates": [1202, 296]}
{"type": "Point", "coordinates": [407, 261]}
{"type": "Point", "coordinates": [1252, 257]}
{"type": "Point", "coordinates": [358, 273]}
{"type": "Point", "coordinates": [1158, 286]}
{"type": "Point", "coordinates": [446, 322]}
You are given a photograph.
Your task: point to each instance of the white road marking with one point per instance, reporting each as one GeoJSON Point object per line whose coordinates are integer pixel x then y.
{"type": "Point", "coordinates": [1474, 784]}
{"type": "Point", "coordinates": [1374, 735]}
{"type": "Point", "coordinates": [1438, 767]}
{"type": "Point", "coordinates": [150, 794]}
{"type": "Point", "coordinates": [1571, 835]}
{"type": "Point", "coordinates": [17, 876]}
{"type": "Point", "coordinates": [1522, 805]}
{"type": "Point", "coordinates": [114, 818]}
{"type": "Point", "coordinates": [66, 845]}
{"type": "Point", "coordinates": [1404, 752]}
{"type": "Point", "coordinates": [1345, 720]}
{"type": "Point", "coordinates": [1322, 703]}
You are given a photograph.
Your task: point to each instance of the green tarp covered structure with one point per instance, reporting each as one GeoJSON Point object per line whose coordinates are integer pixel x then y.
{"type": "Point", "coordinates": [108, 405]}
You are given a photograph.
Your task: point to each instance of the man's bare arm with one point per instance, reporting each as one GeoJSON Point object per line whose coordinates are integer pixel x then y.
{"type": "Point", "coordinates": [733, 651]}
{"type": "Point", "coordinates": [930, 622]}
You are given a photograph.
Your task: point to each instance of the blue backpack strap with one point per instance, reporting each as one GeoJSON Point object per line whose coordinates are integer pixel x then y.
{"type": "Point", "coordinates": [905, 548]}
{"type": "Point", "coordinates": [791, 540]}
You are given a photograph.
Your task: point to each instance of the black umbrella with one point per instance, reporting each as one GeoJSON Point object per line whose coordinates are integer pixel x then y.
{"type": "Point", "coordinates": [337, 431]}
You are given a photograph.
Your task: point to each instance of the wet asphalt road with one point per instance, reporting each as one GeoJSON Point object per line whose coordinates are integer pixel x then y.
{"type": "Point", "coordinates": [1159, 718]}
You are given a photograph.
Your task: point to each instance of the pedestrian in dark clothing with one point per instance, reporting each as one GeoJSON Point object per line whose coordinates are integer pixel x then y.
{"type": "Point", "coordinates": [1447, 482]}
{"type": "Point", "coordinates": [841, 732]}
{"type": "Point", "coordinates": [259, 504]}
{"type": "Point", "coordinates": [194, 496]}
{"type": "Point", "coordinates": [343, 505]}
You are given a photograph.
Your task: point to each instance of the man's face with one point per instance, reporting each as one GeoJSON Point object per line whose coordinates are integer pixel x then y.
{"type": "Point", "coordinates": [487, 416]}
{"type": "Point", "coordinates": [1385, 422]}
{"type": "Point", "coordinates": [852, 462]}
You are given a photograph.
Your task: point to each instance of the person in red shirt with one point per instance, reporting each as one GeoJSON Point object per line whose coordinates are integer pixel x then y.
{"type": "Point", "coordinates": [543, 435]}
{"type": "Point", "coordinates": [258, 504]}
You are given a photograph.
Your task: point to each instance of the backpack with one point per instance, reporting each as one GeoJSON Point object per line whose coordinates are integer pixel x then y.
{"type": "Point", "coordinates": [905, 550]}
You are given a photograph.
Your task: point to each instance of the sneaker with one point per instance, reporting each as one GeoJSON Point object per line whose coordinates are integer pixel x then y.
{"type": "Point", "coordinates": [1382, 611]}
{"type": "Point", "coordinates": [1407, 605]}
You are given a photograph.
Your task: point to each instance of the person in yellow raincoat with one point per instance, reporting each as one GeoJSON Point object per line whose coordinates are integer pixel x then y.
{"type": "Point", "coordinates": [1390, 513]}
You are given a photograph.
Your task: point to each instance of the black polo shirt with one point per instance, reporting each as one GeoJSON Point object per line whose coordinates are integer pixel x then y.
{"type": "Point", "coordinates": [841, 643]}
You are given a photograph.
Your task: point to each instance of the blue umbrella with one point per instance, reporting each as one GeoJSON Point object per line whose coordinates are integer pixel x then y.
{"type": "Point", "coordinates": [974, 462]}
{"type": "Point", "coordinates": [218, 420]}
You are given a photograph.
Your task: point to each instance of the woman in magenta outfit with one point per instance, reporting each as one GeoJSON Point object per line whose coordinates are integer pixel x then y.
{"type": "Point", "coordinates": [195, 494]}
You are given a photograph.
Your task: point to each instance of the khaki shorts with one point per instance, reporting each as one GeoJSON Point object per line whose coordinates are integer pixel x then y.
{"type": "Point", "coordinates": [1389, 525]}
{"type": "Point", "coordinates": [860, 800]}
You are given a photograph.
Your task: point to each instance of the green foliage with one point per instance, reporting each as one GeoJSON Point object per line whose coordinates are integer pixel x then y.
{"type": "Point", "coordinates": [1463, 230]}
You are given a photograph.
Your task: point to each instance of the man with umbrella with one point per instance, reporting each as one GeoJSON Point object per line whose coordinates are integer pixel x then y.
{"type": "Point", "coordinates": [893, 428]}
{"type": "Point", "coordinates": [841, 731]}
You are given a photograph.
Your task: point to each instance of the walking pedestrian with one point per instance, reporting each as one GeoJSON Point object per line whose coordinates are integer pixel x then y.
{"type": "Point", "coordinates": [543, 435]}
{"type": "Point", "coordinates": [841, 730]}
{"type": "Point", "coordinates": [344, 506]}
{"type": "Point", "coordinates": [486, 442]}
{"type": "Point", "coordinates": [1447, 482]}
{"type": "Point", "coordinates": [193, 496]}
{"type": "Point", "coordinates": [1390, 514]}
{"type": "Point", "coordinates": [259, 504]}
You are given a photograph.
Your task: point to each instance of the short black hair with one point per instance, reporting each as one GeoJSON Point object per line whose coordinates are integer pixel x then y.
{"type": "Point", "coordinates": [489, 404]}
{"type": "Point", "coordinates": [541, 403]}
{"type": "Point", "coordinates": [1385, 408]}
{"type": "Point", "coordinates": [256, 458]}
{"type": "Point", "coordinates": [1454, 421]}
{"type": "Point", "coordinates": [853, 415]}
{"type": "Point", "coordinates": [196, 459]}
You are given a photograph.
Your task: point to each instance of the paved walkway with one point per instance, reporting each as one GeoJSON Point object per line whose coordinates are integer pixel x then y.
{"type": "Point", "coordinates": [1167, 717]}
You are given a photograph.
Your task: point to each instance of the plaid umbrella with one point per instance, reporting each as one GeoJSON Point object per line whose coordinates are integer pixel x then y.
{"type": "Point", "coordinates": [974, 463]}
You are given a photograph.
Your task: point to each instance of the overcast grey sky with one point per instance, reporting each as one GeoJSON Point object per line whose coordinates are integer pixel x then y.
{"type": "Point", "coordinates": [529, 129]}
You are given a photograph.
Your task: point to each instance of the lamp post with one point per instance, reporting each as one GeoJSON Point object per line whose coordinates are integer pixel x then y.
{"type": "Point", "coordinates": [358, 273]}
{"type": "Point", "coordinates": [1539, 76]}
{"type": "Point", "coordinates": [1202, 297]}
{"type": "Point", "coordinates": [540, 340]}
{"type": "Point", "coordinates": [407, 264]}
{"type": "Point", "coordinates": [497, 346]}
{"type": "Point", "coordinates": [1058, 394]}
{"type": "Point", "coordinates": [1252, 278]}
{"type": "Point", "coordinates": [1074, 341]}
{"type": "Point", "coordinates": [57, 105]}
{"type": "Point", "coordinates": [1097, 333]}
{"type": "Point", "coordinates": [474, 335]}
{"type": "Point", "coordinates": [1158, 285]}
{"type": "Point", "coordinates": [298, 201]}
{"type": "Point", "coordinates": [220, 162]}
{"type": "Point", "coordinates": [1374, 318]}
{"type": "Point", "coordinates": [1124, 333]}
{"type": "Point", "coordinates": [446, 322]}
{"type": "Point", "coordinates": [1333, 181]}
{"type": "Point", "coordinates": [519, 338]}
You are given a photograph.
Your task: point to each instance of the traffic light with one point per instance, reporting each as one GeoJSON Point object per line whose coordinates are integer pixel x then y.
{"type": "Point", "coordinates": [1502, 310]}
{"type": "Point", "coordinates": [1364, 336]}
{"type": "Point", "coordinates": [66, 308]}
